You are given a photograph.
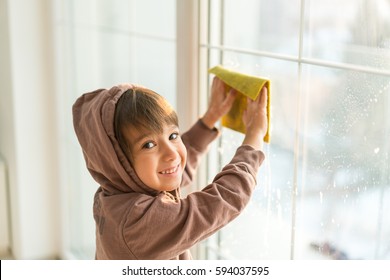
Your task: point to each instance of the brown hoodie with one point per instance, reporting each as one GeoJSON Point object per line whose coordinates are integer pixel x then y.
{"type": "Point", "coordinates": [134, 221]}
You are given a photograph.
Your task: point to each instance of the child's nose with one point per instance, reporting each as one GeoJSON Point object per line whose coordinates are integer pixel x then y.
{"type": "Point", "coordinates": [169, 152]}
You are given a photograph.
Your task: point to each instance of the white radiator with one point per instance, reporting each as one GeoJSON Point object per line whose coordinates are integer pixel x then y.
{"type": "Point", "coordinates": [4, 224]}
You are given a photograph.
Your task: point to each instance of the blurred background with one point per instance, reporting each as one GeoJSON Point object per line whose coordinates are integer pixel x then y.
{"type": "Point", "coordinates": [324, 189]}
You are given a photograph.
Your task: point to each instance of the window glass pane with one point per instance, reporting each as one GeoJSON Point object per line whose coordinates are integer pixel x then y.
{"type": "Point", "coordinates": [345, 164]}
{"type": "Point", "coordinates": [259, 25]}
{"type": "Point", "coordinates": [100, 44]}
{"type": "Point", "coordinates": [156, 17]}
{"type": "Point", "coordinates": [116, 58]}
{"type": "Point", "coordinates": [80, 192]}
{"type": "Point", "coordinates": [263, 231]}
{"type": "Point", "coordinates": [144, 17]}
{"type": "Point", "coordinates": [80, 65]}
{"type": "Point", "coordinates": [156, 66]}
{"type": "Point", "coordinates": [115, 15]}
{"type": "Point", "coordinates": [351, 31]}
{"type": "Point", "coordinates": [324, 190]}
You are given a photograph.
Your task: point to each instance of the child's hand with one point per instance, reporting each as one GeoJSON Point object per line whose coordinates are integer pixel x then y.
{"type": "Point", "coordinates": [220, 103]}
{"type": "Point", "coordinates": [255, 120]}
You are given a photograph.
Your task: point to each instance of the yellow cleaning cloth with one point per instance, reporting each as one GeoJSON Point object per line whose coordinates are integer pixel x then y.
{"type": "Point", "coordinates": [247, 86]}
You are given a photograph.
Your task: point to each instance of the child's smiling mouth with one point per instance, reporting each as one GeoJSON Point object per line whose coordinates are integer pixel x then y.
{"type": "Point", "coordinates": [170, 170]}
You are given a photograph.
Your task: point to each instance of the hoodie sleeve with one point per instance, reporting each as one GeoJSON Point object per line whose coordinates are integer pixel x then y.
{"type": "Point", "coordinates": [196, 140]}
{"type": "Point", "coordinates": [162, 228]}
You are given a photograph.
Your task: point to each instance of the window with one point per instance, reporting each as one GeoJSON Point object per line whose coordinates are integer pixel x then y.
{"type": "Point", "coordinates": [100, 44]}
{"type": "Point", "coordinates": [324, 190]}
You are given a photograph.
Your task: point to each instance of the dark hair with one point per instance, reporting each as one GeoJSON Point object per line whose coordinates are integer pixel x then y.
{"type": "Point", "coordinates": [144, 109]}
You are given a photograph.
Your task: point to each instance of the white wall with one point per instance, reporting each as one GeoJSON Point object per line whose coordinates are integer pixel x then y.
{"type": "Point", "coordinates": [4, 221]}
{"type": "Point", "coordinates": [6, 127]}
{"type": "Point", "coordinates": [27, 127]}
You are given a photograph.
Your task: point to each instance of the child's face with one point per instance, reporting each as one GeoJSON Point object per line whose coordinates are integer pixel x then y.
{"type": "Point", "coordinates": [158, 159]}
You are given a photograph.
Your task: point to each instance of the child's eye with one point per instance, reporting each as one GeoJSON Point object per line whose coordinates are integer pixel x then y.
{"type": "Point", "coordinates": [148, 145]}
{"type": "Point", "coordinates": [174, 136]}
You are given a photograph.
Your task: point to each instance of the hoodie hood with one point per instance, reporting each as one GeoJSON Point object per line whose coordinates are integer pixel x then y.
{"type": "Point", "coordinates": [93, 121]}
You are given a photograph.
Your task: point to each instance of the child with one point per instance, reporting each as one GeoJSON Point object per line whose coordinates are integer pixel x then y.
{"type": "Point", "coordinates": [133, 149]}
